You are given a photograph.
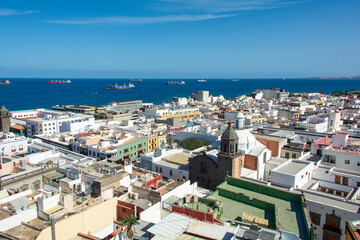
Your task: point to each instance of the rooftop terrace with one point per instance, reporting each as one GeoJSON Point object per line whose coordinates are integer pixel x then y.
{"type": "Point", "coordinates": [282, 209]}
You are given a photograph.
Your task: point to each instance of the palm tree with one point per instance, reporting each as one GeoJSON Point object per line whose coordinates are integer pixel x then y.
{"type": "Point", "coordinates": [129, 223]}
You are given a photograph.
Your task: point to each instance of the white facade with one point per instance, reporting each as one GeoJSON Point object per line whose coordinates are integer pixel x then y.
{"type": "Point", "coordinates": [292, 173]}
{"type": "Point", "coordinates": [158, 113]}
{"type": "Point", "coordinates": [344, 159]}
{"type": "Point", "coordinates": [202, 96]}
{"type": "Point", "coordinates": [61, 123]}
{"type": "Point", "coordinates": [11, 144]}
{"type": "Point", "coordinates": [157, 162]}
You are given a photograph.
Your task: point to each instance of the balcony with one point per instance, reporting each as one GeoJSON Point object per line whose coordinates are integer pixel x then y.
{"type": "Point", "coordinates": [332, 229]}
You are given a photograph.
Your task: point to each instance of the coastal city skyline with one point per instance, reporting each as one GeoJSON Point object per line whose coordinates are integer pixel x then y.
{"type": "Point", "coordinates": [179, 119]}
{"type": "Point", "coordinates": [179, 39]}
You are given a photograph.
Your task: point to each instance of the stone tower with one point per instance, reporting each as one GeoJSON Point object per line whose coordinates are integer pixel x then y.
{"type": "Point", "coordinates": [229, 158]}
{"type": "Point", "coordinates": [4, 120]}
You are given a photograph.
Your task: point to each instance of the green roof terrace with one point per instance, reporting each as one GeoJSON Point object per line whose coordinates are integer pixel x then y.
{"type": "Point", "coordinates": [284, 210]}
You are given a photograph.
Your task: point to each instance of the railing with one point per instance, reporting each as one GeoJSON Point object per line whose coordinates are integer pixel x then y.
{"type": "Point", "coordinates": [332, 229]}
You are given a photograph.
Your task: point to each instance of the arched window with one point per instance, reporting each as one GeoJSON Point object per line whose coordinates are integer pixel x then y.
{"type": "Point", "coordinates": [231, 148]}
{"type": "Point", "coordinates": [236, 147]}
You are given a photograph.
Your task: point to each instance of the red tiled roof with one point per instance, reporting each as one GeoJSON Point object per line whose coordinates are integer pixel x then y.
{"type": "Point", "coordinates": [85, 134]}
{"type": "Point", "coordinates": [18, 127]}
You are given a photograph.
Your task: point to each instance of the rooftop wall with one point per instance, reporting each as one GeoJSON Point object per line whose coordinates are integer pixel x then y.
{"type": "Point", "coordinates": [276, 193]}
{"type": "Point", "coordinates": [90, 221]}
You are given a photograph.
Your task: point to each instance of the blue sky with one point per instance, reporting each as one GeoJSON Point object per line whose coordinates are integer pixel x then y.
{"type": "Point", "coordinates": [179, 38]}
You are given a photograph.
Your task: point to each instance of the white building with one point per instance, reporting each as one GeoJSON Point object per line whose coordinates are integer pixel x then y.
{"type": "Point", "coordinates": [170, 163]}
{"type": "Point", "coordinates": [164, 112]}
{"type": "Point", "coordinates": [202, 96]}
{"type": "Point", "coordinates": [51, 124]}
{"type": "Point", "coordinates": [11, 144]}
{"type": "Point", "coordinates": [292, 173]}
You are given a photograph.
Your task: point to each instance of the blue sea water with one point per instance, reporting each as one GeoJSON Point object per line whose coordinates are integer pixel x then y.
{"type": "Point", "coordinates": [36, 93]}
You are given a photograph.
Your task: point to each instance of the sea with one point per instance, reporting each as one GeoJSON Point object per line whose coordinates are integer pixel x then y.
{"type": "Point", "coordinates": [30, 93]}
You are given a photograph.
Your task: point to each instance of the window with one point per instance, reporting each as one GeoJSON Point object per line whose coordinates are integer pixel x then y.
{"type": "Point", "coordinates": [315, 218]}
{"type": "Point", "coordinates": [358, 184]}
{"type": "Point", "coordinates": [160, 169]}
{"type": "Point", "coordinates": [170, 173]}
{"type": "Point", "coordinates": [345, 181]}
{"type": "Point", "coordinates": [123, 210]}
{"type": "Point", "coordinates": [264, 160]}
{"type": "Point", "coordinates": [287, 155]}
{"type": "Point", "coordinates": [126, 150]}
{"type": "Point", "coordinates": [337, 179]}
{"type": "Point", "coordinates": [156, 169]}
{"type": "Point", "coordinates": [347, 161]}
{"type": "Point", "coordinates": [13, 149]}
{"type": "Point", "coordinates": [21, 147]}
{"type": "Point", "coordinates": [293, 155]}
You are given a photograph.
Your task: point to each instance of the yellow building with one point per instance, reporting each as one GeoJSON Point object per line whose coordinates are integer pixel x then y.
{"type": "Point", "coordinates": [156, 140]}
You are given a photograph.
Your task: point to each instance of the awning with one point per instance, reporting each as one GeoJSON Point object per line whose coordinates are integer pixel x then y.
{"type": "Point", "coordinates": [140, 149]}
{"type": "Point", "coordinates": [126, 155]}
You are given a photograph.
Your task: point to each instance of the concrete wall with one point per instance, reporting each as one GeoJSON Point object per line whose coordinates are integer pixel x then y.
{"type": "Point", "coordinates": [90, 221]}
{"type": "Point", "coordinates": [16, 220]}
{"type": "Point", "coordinates": [354, 158]}
{"type": "Point", "coordinates": [47, 203]}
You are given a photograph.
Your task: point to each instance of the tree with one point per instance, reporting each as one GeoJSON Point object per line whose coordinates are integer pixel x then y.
{"type": "Point", "coordinates": [169, 138]}
{"type": "Point", "coordinates": [193, 143]}
{"type": "Point", "coordinates": [129, 223]}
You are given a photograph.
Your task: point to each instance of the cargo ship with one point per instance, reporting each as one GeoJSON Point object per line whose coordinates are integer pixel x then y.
{"type": "Point", "coordinates": [128, 86]}
{"type": "Point", "coordinates": [201, 80]}
{"type": "Point", "coordinates": [7, 82]}
{"type": "Point", "coordinates": [175, 83]}
{"type": "Point", "coordinates": [58, 81]}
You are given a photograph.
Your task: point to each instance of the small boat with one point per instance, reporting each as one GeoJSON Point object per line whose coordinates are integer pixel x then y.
{"type": "Point", "coordinates": [7, 82]}
{"type": "Point", "coordinates": [175, 83]}
{"type": "Point", "coordinates": [58, 81]}
{"type": "Point", "coordinates": [234, 80]}
{"type": "Point", "coordinates": [201, 80]}
{"type": "Point", "coordinates": [125, 86]}
{"type": "Point", "coordinates": [135, 80]}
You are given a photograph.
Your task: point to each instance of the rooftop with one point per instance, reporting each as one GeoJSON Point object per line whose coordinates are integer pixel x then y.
{"type": "Point", "coordinates": [292, 167]}
{"type": "Point", "coordinates": [282, 209]}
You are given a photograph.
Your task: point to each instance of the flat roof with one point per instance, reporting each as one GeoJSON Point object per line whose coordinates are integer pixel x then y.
{"type": "Point", "coordinates": [291, 167]}
{"type": "Point", "coordinates": [289, 214]}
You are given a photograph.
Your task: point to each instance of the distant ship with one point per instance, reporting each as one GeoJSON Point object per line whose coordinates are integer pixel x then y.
{"type": "Point", "coordinates": [234, 80]}
{"type": "Point", "coordinates": [58, 81]}
{"type": "Point", "coordinates": [125, 86]}
{"type": "Point", "coordinates": [7, 82]}
{"type": "Point", "coordinates": [135, 80]}
{"type": "Point", "coordinates": [175, 83]}
{"type": "Point", "coordinates": [201, 80]}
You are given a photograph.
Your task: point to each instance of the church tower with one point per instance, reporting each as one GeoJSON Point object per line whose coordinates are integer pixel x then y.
{"type": "Point", "coordinates": [229, 157]}
{"type": "Point", "coordinates": [4, 120]}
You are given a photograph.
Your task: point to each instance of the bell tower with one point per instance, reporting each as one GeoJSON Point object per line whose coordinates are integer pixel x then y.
{"type": "Point", "coordinates": [229, 157]}
{"type": "Point", "coordinates": [5, 122]}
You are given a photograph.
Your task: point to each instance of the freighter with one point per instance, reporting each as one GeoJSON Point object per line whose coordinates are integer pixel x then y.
{"type": "Point", "coordinates": [7, 82]}
{"type": "Point", "coordinates": [58, 81]}
{"type": "Point", "coordinates": [175, 83]}
{"type": "Point", "coordinates": [129, 86]}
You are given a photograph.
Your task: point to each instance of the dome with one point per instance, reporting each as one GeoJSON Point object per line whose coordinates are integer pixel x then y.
{"type": "Point", "coordinates": [247, 141]}
{"type": "Point", "coordinates": [239, 115]}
